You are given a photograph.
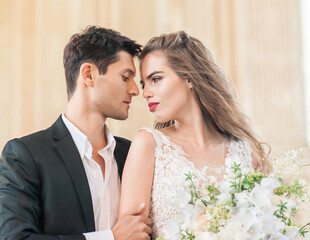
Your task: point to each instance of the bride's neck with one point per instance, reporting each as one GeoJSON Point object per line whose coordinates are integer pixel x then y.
{"type": "Point", "coordinates": [197, 132]}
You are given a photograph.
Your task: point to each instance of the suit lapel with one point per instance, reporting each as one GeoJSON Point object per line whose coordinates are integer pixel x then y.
{"type": "Point", "coordinates": [74, 165]}
{"type": "Point", "coordinates": [119, 160]}
{"type": "Point", "coordinates": [120, 153]}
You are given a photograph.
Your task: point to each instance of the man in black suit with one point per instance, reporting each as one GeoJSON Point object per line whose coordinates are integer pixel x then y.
{"type": "Point", "coordinates": [64, 182]}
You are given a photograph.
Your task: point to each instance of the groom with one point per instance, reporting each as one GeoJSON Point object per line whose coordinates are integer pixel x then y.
{"type": "Point", "coordinates": [64, 182]}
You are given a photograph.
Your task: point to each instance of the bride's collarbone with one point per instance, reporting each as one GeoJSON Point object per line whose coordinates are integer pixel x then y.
{"type": "Point", "coordinates": [211, 155]}
{"type": "Point", "coordinates": [205, 158]}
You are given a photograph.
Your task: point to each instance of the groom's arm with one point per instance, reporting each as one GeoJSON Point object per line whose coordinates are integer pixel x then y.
{"type": "Point", "coordinates": [20, 206]}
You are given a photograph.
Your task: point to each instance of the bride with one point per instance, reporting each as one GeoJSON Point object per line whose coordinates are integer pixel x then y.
{"type": "Point", "coordinates": [199, 128]}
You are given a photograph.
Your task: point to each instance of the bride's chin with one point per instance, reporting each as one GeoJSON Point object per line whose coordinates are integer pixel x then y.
{"type": "Point", "coordinates": [161, 118]}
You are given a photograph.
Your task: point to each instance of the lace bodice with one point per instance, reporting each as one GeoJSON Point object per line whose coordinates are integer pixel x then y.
{"type": "Point", "coordinates": [171, 165]}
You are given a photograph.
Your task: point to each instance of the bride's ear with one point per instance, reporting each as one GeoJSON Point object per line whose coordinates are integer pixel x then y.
{"type": "Point", "coordinates": [189, 84]}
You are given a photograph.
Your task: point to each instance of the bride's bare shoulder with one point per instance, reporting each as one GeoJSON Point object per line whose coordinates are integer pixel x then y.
{"type": "Point", "coordinates": [148, 138]}
{"type": "Point", "coordinates": [144, 139]}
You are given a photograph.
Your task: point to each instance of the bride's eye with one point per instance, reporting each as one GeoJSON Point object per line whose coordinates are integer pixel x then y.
{"type": "Point", "coordinates": [156, 79]}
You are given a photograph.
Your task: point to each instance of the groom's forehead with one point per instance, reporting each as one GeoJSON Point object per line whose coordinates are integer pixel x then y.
{"type": "Point", "coordinates": [123, 64]}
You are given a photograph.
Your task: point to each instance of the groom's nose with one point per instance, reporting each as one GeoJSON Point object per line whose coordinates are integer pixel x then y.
{"type": "Point", "coordinates": [133, 89]}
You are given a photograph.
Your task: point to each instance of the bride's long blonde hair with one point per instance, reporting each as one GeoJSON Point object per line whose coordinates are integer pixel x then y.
{"type": "Point", "coordinates": [189, 58]}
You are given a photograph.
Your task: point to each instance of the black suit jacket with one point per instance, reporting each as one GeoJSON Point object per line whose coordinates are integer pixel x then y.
{"type": "Point", "coordinates": [44, 192]}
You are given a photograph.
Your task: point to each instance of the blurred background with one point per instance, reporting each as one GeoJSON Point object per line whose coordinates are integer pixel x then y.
{"type": "Point", "coordinates": [262, 46]}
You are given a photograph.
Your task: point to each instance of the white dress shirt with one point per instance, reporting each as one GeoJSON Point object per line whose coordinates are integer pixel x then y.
{"type": "Point", "coordinates": [105, 193]}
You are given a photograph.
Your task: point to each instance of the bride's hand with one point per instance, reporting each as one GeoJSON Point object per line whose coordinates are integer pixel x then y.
{"type": "Point", "coordinates": [133, 226]}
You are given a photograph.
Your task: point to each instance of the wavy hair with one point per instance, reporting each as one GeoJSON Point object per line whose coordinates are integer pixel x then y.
{"type": "Point", "coordinates": [192, 61]}
{"type": "Point", "coordinates": [96, 45]}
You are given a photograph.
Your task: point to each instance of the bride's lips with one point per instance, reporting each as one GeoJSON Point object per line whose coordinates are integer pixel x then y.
{"type": "Point", "coordinates": [152, 106]}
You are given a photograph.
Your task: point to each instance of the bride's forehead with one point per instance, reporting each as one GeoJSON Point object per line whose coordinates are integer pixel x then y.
{"type": "Point", "coordinates": [153, 64]}
{"type": "Point", "coordinates": [153, 60]}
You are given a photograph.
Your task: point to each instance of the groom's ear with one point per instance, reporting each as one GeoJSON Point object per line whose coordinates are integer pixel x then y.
{"type": "Point", "coordinates": [87, 72]}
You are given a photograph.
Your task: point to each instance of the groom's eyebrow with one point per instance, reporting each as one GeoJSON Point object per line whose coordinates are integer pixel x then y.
{"type": "Point", "coordinates": [155, 72]}
{"type": "Point", "coordinates": [130, 71]}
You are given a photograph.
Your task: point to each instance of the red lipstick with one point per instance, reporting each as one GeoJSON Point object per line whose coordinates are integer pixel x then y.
{"type": "Point", "coordinates": [152, 106]}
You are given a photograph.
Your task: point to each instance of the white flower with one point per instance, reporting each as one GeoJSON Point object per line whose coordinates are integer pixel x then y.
{"type": "Point", "coordinates": [205, 236]}
{"type": "Point", "coordinates": [171, 230]}
{"type": "Point", "coordinates": [260, 197]}
{"type": "Point", "coordinates": [292, 232]}
{"type": "Point", "coordinates": [207, 198]}
{"type": "Point", "coordinates": [226, 186]}
{"type": "Point", "coordinates": [242, 199]}
{"type": "Point", "coordinates": [261, 194]}
{"type": "Point", "coordinates": [188, 214]}
{"type": "Point", "coordinates": [256, 232]}
{"type": "Point", "coordinates": [270, 183]}
{"type": "Point", "coordinates": [234, 231]}
{"type": "Point", "coordinates": [198, 209]}
{"type": "Point", "coordinates": [179, 199]}
{"type": "Point", "coordinates": [247, 217]}
{"type": "Point", "coordinates": [212, 179]}
{"type": "Point", "coordinates": [271, 224]}
{"type": "Point", "coordinates": [223, 197]}
{"type": "Point", "coordinates": [183, 198]}
{"type": "Point", "coordinates": [254, 215]}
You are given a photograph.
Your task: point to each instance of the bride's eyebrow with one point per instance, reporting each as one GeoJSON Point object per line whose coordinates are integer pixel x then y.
{"type": "Point", "coordinates": [155, 72]}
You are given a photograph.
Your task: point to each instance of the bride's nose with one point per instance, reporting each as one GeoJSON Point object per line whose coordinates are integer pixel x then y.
{"type": "Point", "coordinates": [147, 92]}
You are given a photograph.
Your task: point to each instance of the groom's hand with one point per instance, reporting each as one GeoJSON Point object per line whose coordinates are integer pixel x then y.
{"type": "Point", "coordinates": [133, 226]}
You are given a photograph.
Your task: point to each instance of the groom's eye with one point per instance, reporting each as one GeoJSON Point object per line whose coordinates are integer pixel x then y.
{"type": "Point", "coordinates": [125, 78]}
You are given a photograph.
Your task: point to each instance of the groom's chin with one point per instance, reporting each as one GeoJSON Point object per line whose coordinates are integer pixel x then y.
{"type": "Point", "coordinates": [123, 116]}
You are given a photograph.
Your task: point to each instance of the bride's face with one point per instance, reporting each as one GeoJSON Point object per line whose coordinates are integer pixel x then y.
{"type": "Point", "coordinates": [167, 95]}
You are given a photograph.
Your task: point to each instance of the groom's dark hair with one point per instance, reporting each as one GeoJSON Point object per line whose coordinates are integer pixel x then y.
{"type": "Point", "coordinates": [95, 45]}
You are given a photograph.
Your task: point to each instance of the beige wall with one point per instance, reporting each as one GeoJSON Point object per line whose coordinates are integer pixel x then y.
{"type": "Point", "coordinates": [256, 42]}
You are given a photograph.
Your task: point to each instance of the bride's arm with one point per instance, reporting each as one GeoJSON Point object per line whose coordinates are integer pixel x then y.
{"type": "Point", "coordinates": [138, 174]}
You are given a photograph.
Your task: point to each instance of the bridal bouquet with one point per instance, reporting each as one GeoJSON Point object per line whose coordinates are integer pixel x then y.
{"type": "Point", "coordinates": [245, 205]}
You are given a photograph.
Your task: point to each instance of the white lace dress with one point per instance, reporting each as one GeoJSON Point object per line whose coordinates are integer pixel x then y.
{"type": "Point", "coordinates": [171, 164]}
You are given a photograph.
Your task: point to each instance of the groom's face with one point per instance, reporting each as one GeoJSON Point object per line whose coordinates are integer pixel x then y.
{"type": "Point", "coordinates": [113, 91]}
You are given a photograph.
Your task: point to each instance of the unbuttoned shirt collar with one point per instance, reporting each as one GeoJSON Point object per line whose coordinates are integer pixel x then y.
{"type": "Point", "coordinates": [82, 143]}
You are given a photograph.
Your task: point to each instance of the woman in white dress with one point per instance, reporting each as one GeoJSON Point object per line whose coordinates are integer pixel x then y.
{"type": "Point", "coordinates": [199, 128]}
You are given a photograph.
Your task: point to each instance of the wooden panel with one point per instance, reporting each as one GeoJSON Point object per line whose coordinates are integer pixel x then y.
{"type": "Point", "coordinates": [257, 43]}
